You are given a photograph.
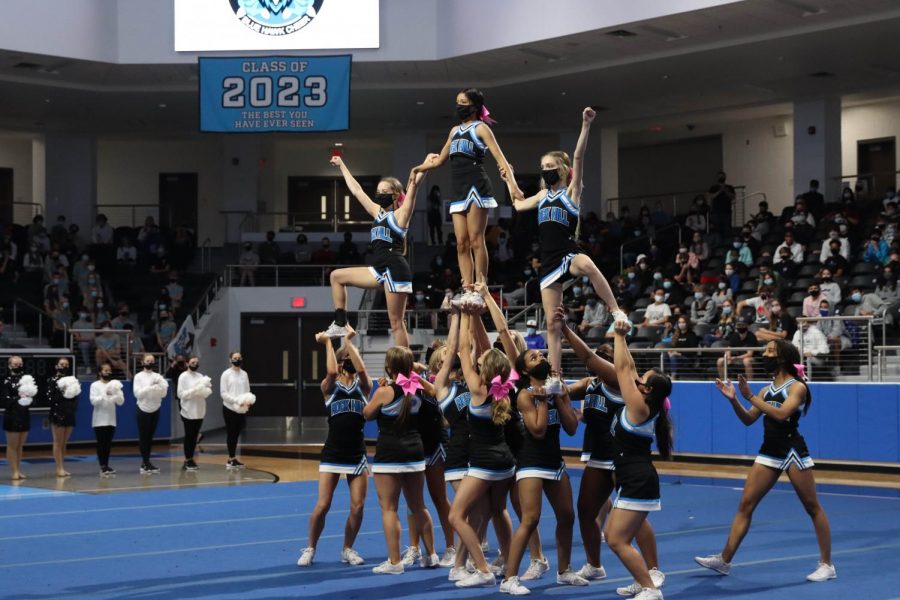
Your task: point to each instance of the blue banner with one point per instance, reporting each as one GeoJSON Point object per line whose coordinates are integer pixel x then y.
{"type": "Point", "coordinates": [275, 93]}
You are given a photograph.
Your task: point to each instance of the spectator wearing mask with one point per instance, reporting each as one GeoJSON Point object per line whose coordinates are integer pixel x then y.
{"type": "Point", "coordinates": [109, 349]}
{"type": "Point", "coordinates": [683, 336]}
{"type": "Point", "coordinates": [324, 255]}
{"type": "Point", "coordinates": [101, 313]}
{"type": "Point", "coordinates": [781, 325]}
{"type": "Point", "coordinates": [56, 262]}
{"type": "Point", "coordinates": [703, 307]}
{"type": "Point", "coordinates": [160, 263]}
{"type": "Point", "coordinates": [784, 266]}
{"type": "Point", "coordinates": [687, 265]}
{"type": "Point", "coordinates": [123, 316]}
{"type": "Point", "coordinates": [887, 288]}
{"type": "Point", "coordinates": [725, 321]}
{"type": "Point", "coordinates": [163, 303]}
{"type": "Point", "coordinates": [804, 224]}
{"type": "Point", "coordinates": [721, 196]}
{"type": "Point", "coordinates": [62, 320]}
{"type": "Point", "coordinates": [33, 263]}
{"type": "Point", "coordinates": [834, 331]}
{"type": "Point", "coordinates": [503, 255]}
{"type": "Point", "coordinates": [126, 253]}
{"type": "Point", "coordinates": [833, 259]}
{"type": "Point", "coordinates": [814, 200]}
{"type": "Point", "coordinates": [732, 278]}
{"type": "Point", "coordinates": [813, 345]}
{"type": "Point", "coordinates": [658, 313]}
{"type": "Point", "coordinates": [741, 338]}
{"type": "Point", "coordinates": [84, 340]}
{"type": "Point", "coordinates": [533, 339]}
{"type": "Point", "coordinates": [722, 292]}
{"type": "Point", "coordinates": [699, 247]}
{"type": "Point", "coordinates": [811, 302]}
{"type": "Point", "coordinates": [134, 341]}
{"type": "Point", "coordinates": [644, 275]}
{"type": "Point", "coordinates": [435, 216]}
{"type": "Point", "coordinates": [831, 291]}
{"type": "Point", "coordinates": [768, 278]}
{"type": "Point", "coordinates": [795, 249]}
{"type": "Point", "coordinates": [739, 253]}
{"type": "Point", "coordinates": [834, 235]}
{"type": "Point", "coordinates": [249, 261]}
{"type": "Point", "coordinates": [876, 249]}
{"type": "Point", "coordinates": [176, 290]}
{"type": "Point", "coordinates": [672, 291]}
{"type": "Point", "coordinates": [269, 250]}
{"type": "Point", "coordinates": [593, 322]}
{"type": "Point", "coordinates": [80, 270]}
{"type": "Point", "coordinates": [759, 228]}
{"type": "Point", "coordinates": [759, 304]}
{"type": "Point", "coordinates": [301, 252]}
{"type": "Point", "coordinates": [348, 252]}
{"type": "Point", "coordinates": [165, 330]}
{"type": "Point", "coordinates": [865, 304]}
{"type": "Point", "coordinates": [696, 219]}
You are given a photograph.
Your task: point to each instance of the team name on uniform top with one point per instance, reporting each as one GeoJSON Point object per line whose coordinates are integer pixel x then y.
{"type": "Point", "coordinates": [381, 233]}
{"type": "Point", "coordinates": [346, 406]}
{"type": "Point", "coordinates": [462, 146]}
{"type": "Point", "coordinates": [596, 402]}
{"type": "Point", "coordinates": [553, 214]}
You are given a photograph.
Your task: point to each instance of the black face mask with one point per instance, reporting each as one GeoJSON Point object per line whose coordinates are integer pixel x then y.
{"type": "Point", "coordinates": [16, 370]}
{"type": "Point", "coordinates": [769, 364]}
{"type": "Point", "coordinates": [348, 366]}
{"type": "Point", "coordinates": [105, 376]}
{"type": "Point", "coordinates": [742, 329]}
{"type": "Point", "coordinates": [463, 111]}
{"type": "Point", "coordinates": [62, 370]}
{"type": "Point", "coordinates": [384, 200]}
{"type": "Point", "coordinates": [541, 370]}
{"type": "Point", "coordinates": [149, 366]}
{"type": "Point", "coordinates": [550, 177]}
{"type": "Point", "coordinates": [237, 362]}
{"type": "Point", "coordinates": [193, 367]}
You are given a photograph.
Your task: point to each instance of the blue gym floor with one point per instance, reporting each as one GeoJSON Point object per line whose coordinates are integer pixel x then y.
{"type": "Point", "coordinates": [243, 542]}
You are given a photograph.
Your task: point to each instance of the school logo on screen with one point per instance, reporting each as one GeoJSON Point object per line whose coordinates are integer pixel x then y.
{"type": "Point", "coordinates": [276, 17]}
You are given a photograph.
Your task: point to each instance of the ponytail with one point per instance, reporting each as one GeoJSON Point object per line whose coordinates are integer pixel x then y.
{"type": "Point", "coordinates": [792, 363]}
{"type": "Point", "coordinates": [663, 433]}
{"type": "Point", "coordinates": [658, 398]}
{"type": "Point", "coordinates": [501, 410]}
{"type": "Point", "coordinates": [405, 407]}
{"type": "Point", "coordinates": [800, 376]}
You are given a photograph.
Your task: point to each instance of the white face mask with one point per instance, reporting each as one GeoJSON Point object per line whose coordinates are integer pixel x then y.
{"type": "Point", "coordinates": [658, 298]}
{"type": "Point", "coordinates": [682, 326]}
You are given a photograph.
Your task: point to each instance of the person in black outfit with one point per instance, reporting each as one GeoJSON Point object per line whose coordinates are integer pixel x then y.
{"type": "Point", "coordinates": [815, 201]}
{"type": "Point", "coordinates": [62, 397]}
{"type": "Point", "coordinates": [683, 336]}
{"type": "Point", "coordinates": [721, 197]}
{"type": "Point", "coordinates": [741, 338]}
{"type": "Point", "coordinates": [348, 253]}
{"type": "Point", "coordinates": [16, 417]}
{"type": "Point", "coordinates": [435, 216]}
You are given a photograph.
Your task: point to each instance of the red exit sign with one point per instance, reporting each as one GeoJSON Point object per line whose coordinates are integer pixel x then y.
{"type": "Point", "coordinates": [298, 302]}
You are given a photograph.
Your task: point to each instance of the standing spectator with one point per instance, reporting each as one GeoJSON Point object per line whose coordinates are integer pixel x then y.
{"type": "Point", "coordinates": [249, 261]}
{"type": "Point", "coordinates": [269, 250]}
{"type": "Point", "coordinates": [176, 291]}
{"type": "Point", "coordinates": [149, 237]}
{"type": "Point", "coordinates": [165, 330]}
{"type": "Point", "coordinates": [102, 242]}
{"type": "Point", "coordinates": [721, 196]}
{"type": "Point", "coordinates": [814, 200]}
{"type": "Point", "coordinates": [302, 255]}
{"type": "Point", "coordinates": [741, 338]}
{"type": "Point", "coordinates": [795, 249]}
{"type": "Point", "coordinates": [435, 216]}
{"type": "Point", "coordinates": [876, 250]}
{"type": "Point", "coordinates": [811, 302]}
{"type": "Point", "coordinates": [84, 340]}
{"type": "Point", "coordinates": [812, 343]}
{"type": "Point", "coordinates": [683, 336]}
{"type": "Point", "coordinates": [348, 253]}
{"type": "Point", "coordinates": [36, 228]}
{"type": "Point", "coordinates": [324, 255]}
{"type": "Point", "coordinates": [59, 233]}
{"type": "Point", "coordinates": [831, 291]}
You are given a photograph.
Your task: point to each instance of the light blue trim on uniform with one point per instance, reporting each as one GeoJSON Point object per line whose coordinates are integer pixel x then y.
{"type": "Point", "coordinates": [490, 474]}
{"type": "Point", "coordinates": [450, 397]}
{"type": "Point", "coordinates": [602, 465]}
{"type": "Point", "coordinates": [387, 280]}
{"type": "Point", "coordinates": [455, 474]}
{"type": "Point", "coordinates": [541, 473]}
{"type": "Point", "coordinates": [345, 469]}
{"type": "Point", "coordinates": [781, 389]}
{"type": "Point", "coordinates": [410, 467]}
{"type": "Point", "coordinates": [783, 464]}
{"type": "Point", "coordinates": [473, 197]}
{"type": "Point", "coordinates": [439, 455]}
{"type": "Point", "coordinates": [611, 395]}
{"type": "Point", "coordinates": [645, 429]}
{"type": "Point", "coordinates": [482, 411]}
{"type": "Point", "coordinates": [563, 268]}
{"type": "Point", "coordinates": [473, 135]}
{"type": "Point", "coordinates": [637, 504]}
{"type": "Point", "coordinates": [392, 409]}
{"type": "Point", "coordinates": [393, 224]}
{"type": "Point", "coordinates": [561, 195]}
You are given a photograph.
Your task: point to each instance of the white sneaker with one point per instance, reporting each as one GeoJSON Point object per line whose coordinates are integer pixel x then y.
{"type": "Point", "coordinates": [570, 577]}
{"type": "Point", "coordinates": [590, 572]}
{"type": "Point", "coordinates": [429, 561]}
{"type": "Point", "coordinates": [649, 594]}
{"type": "Point", "coordinates": [352, 557]}
{"type": "Point", "coordinates": [458, 574]}
{"type": "Point", "coordinates": [713, 562]}
{"type": "Point", "coordinates": [477, 579]}
{"type": "Point", "coordinates": [389, 568]}
{"type": "Point", "coordinates": [306, 557]}
{"type": "Point", "coordinates": [823, 572]}
{"type": "Point", "coordinates": [449, 557]}
{"type": "Point", "coordinates": [470, 566]}
{"type": "Point", "coordinates": [553, 385]}
{"type": "Point", "coordinates": [336, 331]}
{"type": "Point", "coordinates": [537, 568]}
{"type": "Point", "coordinates": [513, 587]}
{"type": "Point", "coordinates": [498, 567]}
{"type": "Point", "coordinates": [411, 556]}
{"type": "Point", "coordinates": [658, 577]}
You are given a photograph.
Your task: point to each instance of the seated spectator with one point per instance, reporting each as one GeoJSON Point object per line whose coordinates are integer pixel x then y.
{"type": "Point", "coordinates": [56, 262]}
{"type": "Point", "coordinates": [101, 313]}
{"type": "Point", "coordinates": [302, 255]}
{"type": "Point", "coordinates": [135, 343]}
{"type": "Point", "coordinates": [703, 307]}
{"type": "Point", "coordinates": [269, 250]}
{"type": "Point", "coordinates": [324, 255]}
{"type": "Point", "coordinates": [149, 237]}
{"type": "Point", "coordinates": [60, 282]}
{"type": "Point", "coordinates": [804, 224]}
{"type": "Point", "coordinates": [834, 235]}
{"type": "Point", "coordinates": [683, 336]}
{"type": "Point", "coordinates": [888, 230]}
{"type": "Point", "coordinates": [166, 330]}
{"type": "Point", "coordinates": [833, 259]}
{"type": "Point", "coordinates": [831, 291]}
{"type": "Point", "coordinates": [593, 321]}
{"type": "Point", "coordinates": [887, 288]}
{"type": "Point", "coordinates": [75, 243]}
{"type": "Point", "coordinates": [91, 281]}
{"type": "Point", "coordinates": [759, 228]}
{"type": "Point", "coordinates": [673, 292]}
{"type": "Point", "coordinates": [126, 253]}
{"type": "Point", "coordinates": [876, 249]}
{"type": "Point", "coordinates": [176, 291]}
{"type": "Point", "coordinates": [575, 304]}
{"type": "Point", "coordinates": [644, 276]}
{"type": "Point", "coordinates": [62, 320]}
{"type": "Point", "coordinates": [834, 331]}
{"type": "Point", "coordinates": [741, 338]}
{"type": "Point", "coordinates": [764, 213]}
{"type": "Point", "coordinates": [889, 197]}
{"type": "Point", "coordinates": [163, 303]}
{"type": "Point", "coordinates": [795, 250]}
{"type": "Point", "coordinates": [696, 219]}
{"type": "Point", "coordinates": [348, 253]}
{"type": "Point", "coordinates": [812, 343]}
{"type": "Point", "coordinates": [739, 253]}
{"type": "Point", "coordinates": [161, 262]}
{"type": "Point", "coordinates": [84, 340]}
{"type": "Point", "coordinates": [811, 302]}
{"type": "Point", "coordinates": [249, 261]}
{"type": "Point", "coordinates": [769, 279]}
{"type": "Point", "coordinates": [102, 233]}
{"type": "Point", "coordinates": [660, 218]}
{"type": "Point", "coordinates": [123, 317]}
{"type": "Point", "coordinates": [687, 266]}
{"type": "Point", "coordinates": [533, 339]}
{"type": "Point", "coordinates": [91, 296]}
{"type": "Point", "coordinates": [109, 349]}
{"type": "Point", "coordinates": [699, 247]}
{"type": "Point", "coordinates": [723, 292]}
{"type": "Point", "coordinates": [865, 304]}
{"type": "Point", "coordinates": [80, 270]}
{"type": "Point", "coordinates": [785, 268]}
{"type": "Point", "coordinates": [658, 313]}
{"type": "Point", "coordinates": [760, 305]}
{"type": "Point", "coordinates": [33, 263]}
{"type": "Point", "coordinates": [780, 325]}
{"type": "Point", "coordinates": [732, 278]}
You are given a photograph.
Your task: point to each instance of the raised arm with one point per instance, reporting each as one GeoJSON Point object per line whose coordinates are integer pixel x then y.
{"type": "Point", "coordinates": [367, 203]}
{"type": "Point", "coordinates": [747, 417]}
{"type": "Point", "coordinates": [450, 349]}
{"type": "Point", "coordinates": [568, 416]}
{"type": "Point", "coordinates": [383, 395]}
{"type": "Point", "coordinates": [603, 369]}
{"type": "Point", "coordinates": [535, 415]}
{"type": "Point", "coordinates": [473, 379]}
{"type": "Point", "coordinates": [576, 185]}
{"type": "Point", "coordinates": [627, 374]}
{"type": "Point", "coordinates": [365, 382]}
{"type": "Point", "coordinates": [509, 346]}
{"type": "Point", "coordinates": [480, 336]}
{"type": "Point", "coordinates": [433, 161]}
{"type": "Point", "coordinates": [331, 366]}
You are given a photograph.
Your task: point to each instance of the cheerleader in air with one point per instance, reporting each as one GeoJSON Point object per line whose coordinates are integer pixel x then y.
{"type": "Point", "coordinates": [392, 211]}
{"type": "Point", "coordinates": [17, 394]}
{"type": "Point", "coordinates": [783, 450]}
{"type": "Point", "coordinates": [602, 403]}
{"type": "Point", "coordinates": [400, 456]}
{"type": "Point", "coordinates": [63, 391]}
{"type": "Point", "coordinates": [472, 194]}
{"type": "Point", "coordinates": [643, 418]}
{"type": "Point", "coordinates": [558, 205]}
{"type": "Point", "coordinates": [346, 389]}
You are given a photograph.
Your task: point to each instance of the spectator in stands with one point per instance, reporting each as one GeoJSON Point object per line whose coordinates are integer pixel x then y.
{"type": "Point", "coordinates": [888, 230]}
{"type": "Point", "coordinates": [348, 253]}
{"type": "Point", "coordinates": [33, 263]}
{"type": "Point", "coordinates": [176, 368]}
{"type": "Point", "coordinates": [687, 266]}
{"type": "Point", "coordinates": [785, 268]}
{"type": "Point", "coordinates": [721, 196]}
{"type": "Point", "coordinates": [732, 277]}
{"type": "Point", "coordinates": [645, 222]}
{"type": "Point", "coordinates": [747, 238]}
{"type": "Point", "coordinates": [725, 321]}
{"type": "Point", "coordinates": [161, 262]}
{"type": "Point", "coordinates": [760, 305]}
{"type": "Point", "coordinates": [91, 280]}
{"type": "Point", "coordinates": [324, 255]}
{"type": "Point", "coordinates": [673, 292]}
{"type": "Point", "coordinates": [59, 232]}
{"type": "Point", "coordinates": [51, 297]}
{"type": "Point", "coordinates": [696, 219]}
{"type": "Point", "coordinates": [779, 326]}
{"type": "Point", "coordinates": [794, 249]}
{"type": "Point", "coordinates": [435, 216]}
{"type": "Point", "coordinates": [166, 330]}
{"type": "Point", "coordinates": [703, 307]}
{"type": "Point", "coordinates": [101, 313]}
{"type": "Point", "coordinates": [593, 322]}
{"type": "Point", "coordinates": [176, 291]}
{"type": "Point", "coordinates": [644, 276]}
{"type": "Point", "coordinates": [657, 314]}
{"type": "Point", "coordinates": [162, 303]}
{"type": "Point", "coordinates": [759, 228]}
{"type": "Point", "coordinates": [75, 242]}
{"type": "Point", "coordinates": [62, 320]}
{"type": "Point", "coordinates": [8, 273]}
{"type": "Point", "coordinates": [741, 338]}
{"type": "Point", "coordinates": [723, 292]}
{"type": "Point", "coordinates": [814, 200]}
{"type": "Point", "coordinates": [123, 317]}
{"type": "Point", "coordinates": [683, 336]}
{"type": "Point", "coordinates": [269, 250]}
{"type": "Point", "coordinates": [60, 281]}
{"type": "Point", "coordinates": [739, 253]}
{"type": "Point", "coordinates": [889, 196]}
{"type": "Point", "coordinates": [80, 270]}
{"type": "Point", "coordinates": [837, 336]}
{"type": "Point", "coordinates": [102, 235]}
{"type": "Point", "coordinates": [302, 255]}
{"type": "Point", "coordinates": [876, 250]}
{"type": "Point", "coordinates": [804, 223]}
{"type": "Point", "coordinates": [182, 248]}
{"type": "Point", "coordinates": [84, 340]}
{"type": "Point", "coordinates": [90, 297]}
{"type": "Point", "coordinates": [811, 302]}
{"type": "Point", "coordinates": [56, 262]}
{"type": "Point", "coordinates": [833, 258]}
{"type": "Point", "coordinates": [769, 279]}
{"type": "Point", "coordinates": [533, 339]}
{"type": "Point", "coordinates": [36, 227]}
{"type": "Point", "coordinates": [134, 341]}
{"type": "Point", "coordinates": [503, 255]}
{"type": "Point", "coordinates": [812, 343]}
{"type": "Point", "coordinates": [659, 217]}
{"type": "Point", "coordinates": [887, 288]}
{"type": "Point", "coordinates": [109, 349]}
{"type": "Point", "coordinates": [249, 261]}
{"type": "Point", "coordinates": [10, 246]}
{"type": "Point", "coordinates": [831, 291]}
{"type": "Point", "coordinates": [700, 247]}
{"type": "Point", "coordinates": [834, 234]}
{"type": "Point", "coordinates": [865, 304]}
{"type": "Point", "coordinates": [126, 253]}
{"type": "Point", "coordinates": [764, 213]}
{"type": "Point", "coordinates": [149, 237]}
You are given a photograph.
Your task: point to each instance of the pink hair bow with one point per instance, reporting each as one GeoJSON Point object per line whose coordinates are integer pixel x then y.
{"type": "Point", "coordinates": [485, 115]}
{"type": "Point", "coordinates": [400, 199]}
{"type": "Point", "coordinates": [500, 388]}
{"type": "Point", "coordinates": [411, 384]}
{"type": "Point", "coordinates": [801, 370]}
{"type": "Point", "coordinates": [667, 405]}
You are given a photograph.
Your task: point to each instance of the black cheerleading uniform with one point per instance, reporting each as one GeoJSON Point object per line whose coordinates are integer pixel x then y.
{"type": "Point", "coordinates": [542, 458]}
{"type": "Point", "coordinates": [388, 263]}
{"type": "Point", "coordinates": [783, 445]}
{"type": "Point", "coordinates": [636, 477]}
{"type": "Point", "coordinates": [470, 183]}
{"type": "Point", "coordinates": [489, 455]}
{"type": "Point", "coordinates": [601, 405]}
{"type": "Point", "coordinates": [62, 409]}
{"type": "Point", "coordinates": [16, 418]}
{"type": "Point", "coordinates": [399, 448]}
{"type": "Point", "coordinates": [431, 428]}
{"type": "Point", "coordinates": [455, 407]}
{"type": "Point", "coordinates": [345, 447]}
{"type": "Point", "coordinates": [557, 222]}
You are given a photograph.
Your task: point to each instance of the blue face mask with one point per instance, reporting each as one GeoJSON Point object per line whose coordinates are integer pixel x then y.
{"type": "Point", "coordinates": [531, 331]}
{"type": "Point", "coordinates": [576, 291]}
{"type": "Point", "coordinates": [856, 297]}
{"type": "Point", "coordinates": [667, 284]}
{"type": "Point", "coordinates": [823, 312]}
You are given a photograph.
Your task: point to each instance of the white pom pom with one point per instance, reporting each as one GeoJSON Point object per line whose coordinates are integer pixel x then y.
{"type": "Point", "coordinates": [114, 387]}
{"type": "Point", "coordinates": [247, 399]}
{"type": "Point", "coordinates": [27, 387]}
{"type": "Point", "coordinates": [25, 401]}
{"type": "Point", "coordinates": [69, 386]}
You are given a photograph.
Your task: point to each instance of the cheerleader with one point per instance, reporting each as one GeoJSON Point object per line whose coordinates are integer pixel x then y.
{"type": "Point", "coordinates": [540, 468]}
{"type": "Point", "coordinates": [400, 456]}
{"type": "Point", "coordinates": [491, 463]}
{"type": "Point", "coordinates": [18, 393]}
{"type": "Point", "coordinates": [234, 387]}
{"type": "Point", "coordinates": [472, 194]}
{"type": "Point", "coordinates": [783, 451]}
{"type": "Point", "coordinates": [558, 205]}
{"type": "Point", "coordinates": [193, 389]}
{"type": "Point", "coordinates": [346, 389]}
{"type": "Point", "coordinates": [149, 388]}
{"type": "Point", "coordinates": [105, 395]}
{"type": "Point", "coordinates": [392, 211]}
{"type": "Point", "coordinates": [643, 418]}
{"type": "Point", "coordinates": [62, 397]}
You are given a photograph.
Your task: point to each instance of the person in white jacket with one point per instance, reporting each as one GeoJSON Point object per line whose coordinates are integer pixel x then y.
{"type": "Point", "coordinates": [234, 387]}
{"type": "Point", "coordinates": [106, 394]}
{"type": "Point", "coordinates": [815, 344]}
{"type": "Point", "coordinates": [193, 390]}
{"type": "Point", "coordinates": [149, 388]}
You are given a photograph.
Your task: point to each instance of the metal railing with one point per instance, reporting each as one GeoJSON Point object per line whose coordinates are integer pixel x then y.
{"type": "Point", "coordinates": [870, 183]}
{"type": "Point", "coordinates": [680, 201]}
{"type": "Point", "coordinates": [648, 239]}
{"type": "Point", "coordinates": [206, 255]}
{"type": "Point", "coordinates": [24, 212]}
{"type": "Point", "coordinates": [201, 307]}
{"type": "Point", "coordinates": [41, 316]}
{"type": "Point", "coordinates": [131, 215]}
{"type": "Point", "coordinates": [279, 275]}
{"type": "Point", "coordinates": [849, 345]}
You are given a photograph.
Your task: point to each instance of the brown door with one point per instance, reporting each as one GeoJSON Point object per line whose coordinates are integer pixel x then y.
{"type": "Point", "coordinates": [312, 364]}
{"type": "Point", "coordinates": [313, 203]}
{"type": "Point", "coordinates": [878, 160]}
{"type": "Point", "coordinates": [270, 347]}
{"type": "Point", "coordinates": [178, 200]}
{"type": "Point", "coordinates": [6, 196]}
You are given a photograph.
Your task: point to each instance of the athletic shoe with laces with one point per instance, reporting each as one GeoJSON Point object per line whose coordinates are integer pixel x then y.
{"type": "Point", "coordinates": [306, 557]}
{"type": "Point", "coordinates": [498, 567]}
{"type": "Point", "coordinates": [823, 572]}
{"type": "Point", "coordinates": [336, 331]}
{"type": "Point", "coordinates": [513, 587]}
{"type": "Point", "coordinates": [146, 469]}
{"type": "Point", "coordinates": [351, 557]}
{"type": "Point", "coordinates": [389, 568]}
{"type": "Point", "coordinates": [477, 579]}
{"type": "Point", "coordinates": [470, 566]}
{"type": "Point", "coordinates": [570, 577]}
{"type": "Point", "coordinates": [590, 572]}
{"type": "Point", "coordinates": [713, 562]}
{"type": "Point", "coordinates": [458, 574]}
{"type": "Point", "coordinates": [449, 557]}
{"type": "Point", "coordinates": [430, 561]}
{"type": "Point", "coordinates": [410, 556]}
{"type": "Point", "coordinates": [657, 577]}
{"type": "Point", "coordinates": [536, 569]}
{"type": "Point", "coordinates": [107, 471]}
{"type": "Point", "coordinates": [190, 465]}
{"type": "Point", "coordinates": [234, 464]}
{"type": "Point", "coordinates": [649, 594]}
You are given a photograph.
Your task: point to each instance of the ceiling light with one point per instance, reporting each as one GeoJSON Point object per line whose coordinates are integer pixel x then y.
{"type": "Point", "coordinates": [161, 105]}
{"type": "Point", "coordinates": [822, 74]}
{"type": "Point", "coordinates": [621, 33]}
{"type": "Point", "coordinates": [669, 35]}
{"type": "Point", "coordinates": [562, 93]}
{"type": "Point", "coordinates": [420, 103]}
{"type": "Point", "coordinates": [47, 100]}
